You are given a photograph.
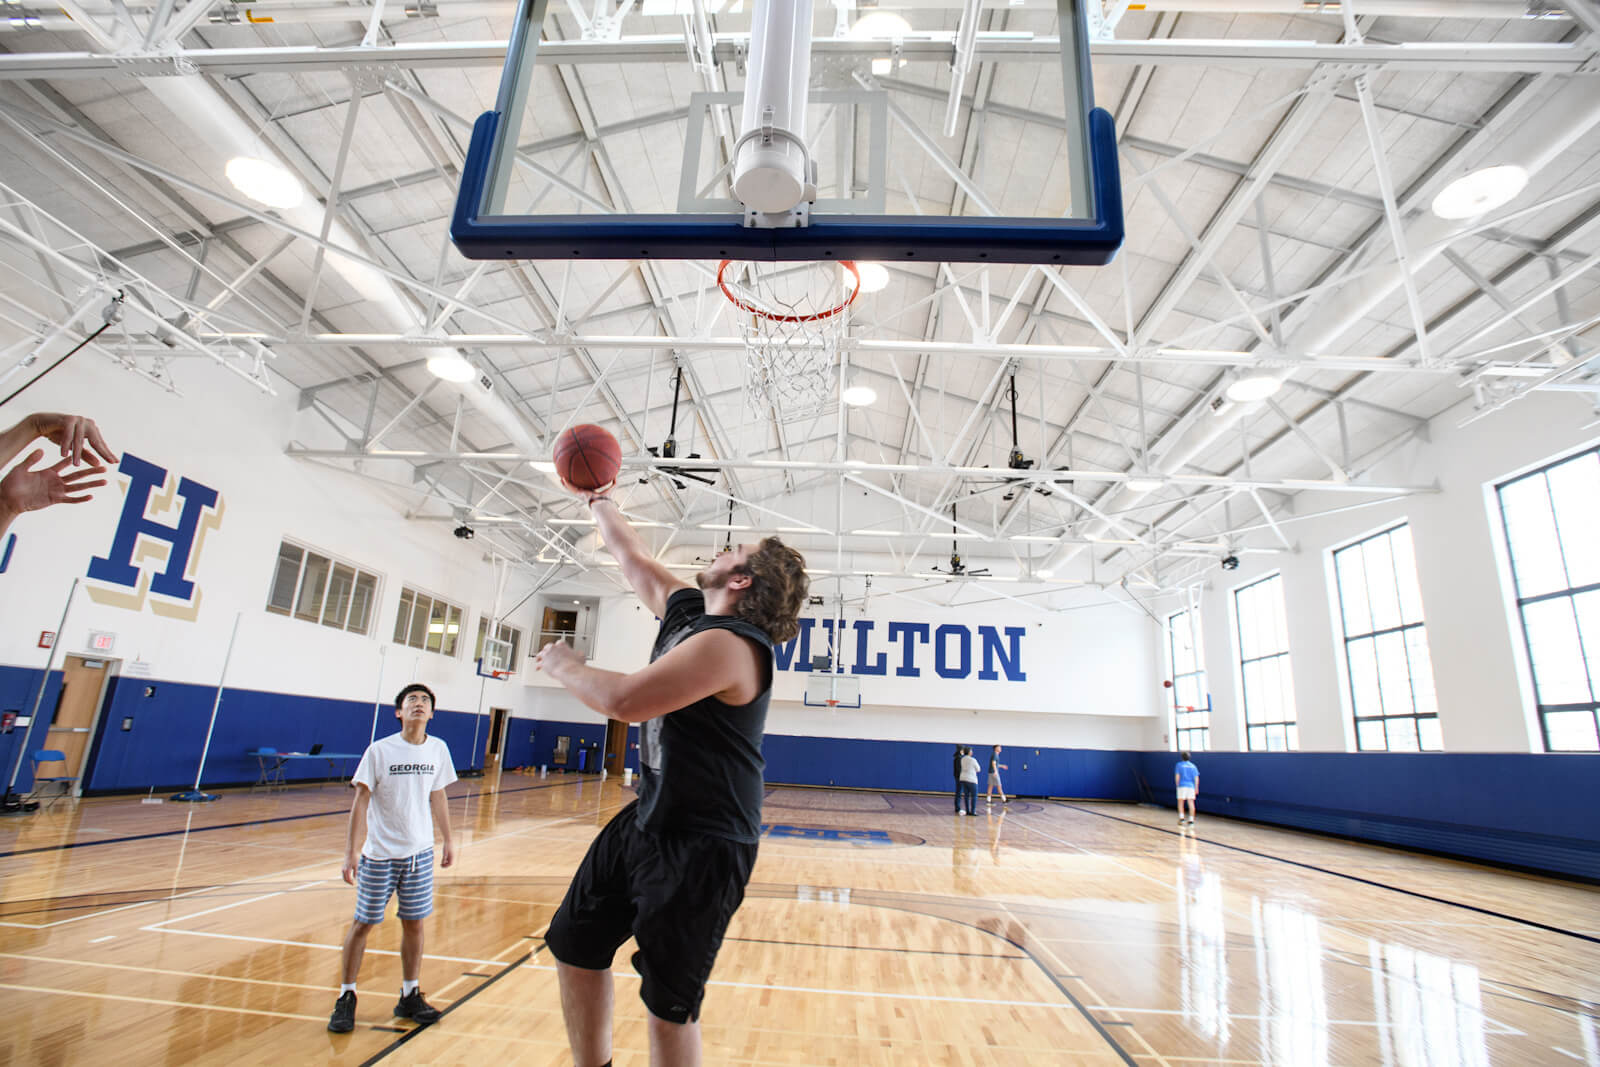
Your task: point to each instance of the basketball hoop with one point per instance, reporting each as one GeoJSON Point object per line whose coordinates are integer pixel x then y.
{"type": "Point", "coordinates": [792, 320]}
{"type": "Point", "coordinates": [833, 703]}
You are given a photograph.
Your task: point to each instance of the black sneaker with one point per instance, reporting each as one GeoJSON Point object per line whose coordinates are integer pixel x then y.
{"type": "Point", "coordinates": [413, 1007]}
{"type": "Point", "coordinates": [343, 1019]}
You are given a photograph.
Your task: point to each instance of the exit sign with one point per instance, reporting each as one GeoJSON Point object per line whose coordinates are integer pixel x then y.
{"type": "Point", "coordinates": [102, 641]}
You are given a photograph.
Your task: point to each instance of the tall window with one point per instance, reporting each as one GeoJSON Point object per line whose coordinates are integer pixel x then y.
{"type": "Point", "coordinates": [1269, 718]}
{"type": "Point", "coordinates": [308, 585]}
{"type": "Point", "coordinates": [1191, 701]}
{"type": "Point", "coordinates": [426, 622]}
{"type": "Point", "coordinates": [1385, 645]}
{"type": "Point", "coordinates": [1551, 519]}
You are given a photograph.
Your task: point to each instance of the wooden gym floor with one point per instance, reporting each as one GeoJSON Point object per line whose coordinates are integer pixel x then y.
{"type": "Point", "coordinates": [878, 929]}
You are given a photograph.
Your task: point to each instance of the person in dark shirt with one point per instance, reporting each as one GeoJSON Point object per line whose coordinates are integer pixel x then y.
{"type": "Point", "coordinates": [955, 769]}
{"type": "Point", "coordinates": [671, 868]}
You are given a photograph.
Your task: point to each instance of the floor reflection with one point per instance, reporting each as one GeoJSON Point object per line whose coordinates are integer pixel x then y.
{"type": "Point", "coordinates": [1294, 1005]}
{"type": "Point", "coordinates": [1203, 950]}
{"type": "Point", "coordinates": [1429, 1009]}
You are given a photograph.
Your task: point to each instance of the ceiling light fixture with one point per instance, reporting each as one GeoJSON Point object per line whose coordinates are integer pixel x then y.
{"type": "Point", "coordinates": [874, 276]}
{"type": "Point", "coordinates": [451, 366]}
{"type": "Point", "coordinates": [1144, 484]}
{"type": "Point", "coordinates": [1480, 192]}
{"type": "Point", "coordinates": [265, 183]}
{"type": "Point", "coordinates": [859, 396]}
{"type": "Point", "coordinates": [1253, 387]}
{"type": "Point", "coordinates": [880, 25]}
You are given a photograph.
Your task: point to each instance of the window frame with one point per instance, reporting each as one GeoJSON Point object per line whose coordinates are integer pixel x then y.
{"type": "Point", "coordinates": [1516, 603]}
{"type": "Point", "coordinates": [501, 629]}
{"type": "Point", "coordinates": [411, 597]}
{"type": "Point", "coordinates": [332, 564]}
{"type": "Point", "coordinates": [1290, 726]}
{"type": "Point", "coordinates": [1341, 627]}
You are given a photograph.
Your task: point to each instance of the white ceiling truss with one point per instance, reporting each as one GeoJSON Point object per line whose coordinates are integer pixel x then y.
{"type": "Point", "coordinates": [1278, 163]}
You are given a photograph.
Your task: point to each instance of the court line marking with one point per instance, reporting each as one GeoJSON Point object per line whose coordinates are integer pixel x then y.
{"type": "Point", "coordinates": [257, 822]}
{"type": "Point", "coordinates": [159, 970]}
{"type": "Point", "coordinates": [507, 969]}
{"type": "Point", "coordinates": [1351, 877]}
{"type": "Point", "coordinates": [158, 1002]}
{"type": "Point", "coordinates": [879, 948]}
{"type": "Point", "coordinates": [156, 927]}
{"type": "Point", "coordinates": [108, 937]}
{"type": "Point", "coordinates": [1257, 1017]}
{"type": "Point", "coordinates": [167, 899]}
{"type": "Point", "coordinates": [311, 944]}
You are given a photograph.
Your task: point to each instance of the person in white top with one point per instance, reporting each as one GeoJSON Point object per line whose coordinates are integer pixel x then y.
{"type": "Point", "coordinates": [399, 784]}
{"type": "Point", "coordinates": [969, 783]}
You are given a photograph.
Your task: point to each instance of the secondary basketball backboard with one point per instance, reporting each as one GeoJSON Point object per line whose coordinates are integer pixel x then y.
{"type": "Point", "coordinates": [496, 661]}
{"type": "Point", "coordinates": [888, 162]}
{"type": "Point", "coordinates": [833, 691]}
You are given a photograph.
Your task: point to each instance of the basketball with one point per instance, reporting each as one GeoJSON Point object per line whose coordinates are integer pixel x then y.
{"type": "Point", "coordinates": [587, 457]}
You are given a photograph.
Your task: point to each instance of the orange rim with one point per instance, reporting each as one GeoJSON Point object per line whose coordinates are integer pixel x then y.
{"type": "Point", "coordinates": [826, 313]}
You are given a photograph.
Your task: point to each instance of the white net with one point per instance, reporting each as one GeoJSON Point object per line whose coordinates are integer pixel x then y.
{"type": "Point", "coordinates": [792, 317]}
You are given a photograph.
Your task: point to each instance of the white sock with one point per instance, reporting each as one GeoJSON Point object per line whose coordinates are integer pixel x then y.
{"type": "Point", "coordinates": [347, 987]}
{"type": "Point", "coordinates": [407, 987]}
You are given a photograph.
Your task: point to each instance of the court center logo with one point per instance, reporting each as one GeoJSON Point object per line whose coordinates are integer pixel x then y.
{"type": "Point", "coordinates": [152, 558]}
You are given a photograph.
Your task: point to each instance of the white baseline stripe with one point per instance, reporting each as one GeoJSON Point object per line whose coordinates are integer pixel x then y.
{"type": "Point", "coordinates": [312, 944]}
{"type": "Point", "coordinates": [161, 1003]}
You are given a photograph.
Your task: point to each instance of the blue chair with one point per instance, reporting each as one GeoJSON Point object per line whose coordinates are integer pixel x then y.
{"type": "Point", "coordinates": [59, 785]}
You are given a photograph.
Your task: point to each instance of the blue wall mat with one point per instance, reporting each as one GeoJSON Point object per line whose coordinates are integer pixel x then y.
{"type": "Point", "coordinates": [869, 764]}
{"type": "Point", "coordinates": [161, 749]}
{"type": "Point", "coordinates": [540, 737]}
{"type": "Point", "coordinates": [19, 688]}
{"type": "Point", "coordinates": [1521, 809]}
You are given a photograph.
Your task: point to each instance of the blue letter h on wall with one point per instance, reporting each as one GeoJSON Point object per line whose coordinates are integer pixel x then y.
{"type": "Point", "coordinates": [117, 566]}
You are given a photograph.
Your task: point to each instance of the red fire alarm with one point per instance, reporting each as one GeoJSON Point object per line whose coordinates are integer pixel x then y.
{"type": "Point", "coordinates": [47, 638]}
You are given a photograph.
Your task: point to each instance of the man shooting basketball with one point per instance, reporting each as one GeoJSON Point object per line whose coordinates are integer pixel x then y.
{"type": "Point", "coordinates": [670, 869]}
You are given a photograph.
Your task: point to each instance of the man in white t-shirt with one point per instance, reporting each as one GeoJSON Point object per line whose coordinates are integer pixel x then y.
{"type": "Point", "coordinates": [400, 787]}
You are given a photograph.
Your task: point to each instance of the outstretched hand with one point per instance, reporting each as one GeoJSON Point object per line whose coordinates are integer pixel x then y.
{"type": "Point", "coordinates": [553, 656]}
{"type": "Point", "coordinates": [28, 489]}
{"type": "Point", "coordinates": [73, 434]}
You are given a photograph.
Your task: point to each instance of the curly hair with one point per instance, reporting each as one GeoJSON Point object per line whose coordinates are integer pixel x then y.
{"type": "Point", "coordinates": [777, 592]}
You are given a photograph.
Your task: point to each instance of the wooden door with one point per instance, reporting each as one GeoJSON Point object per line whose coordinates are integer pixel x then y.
{"type": "Point", "coordinates": [78, 707]}
{"type": "Point", "coordinates": [616, 745]}
{"type": "Point", "coordinates": [497, 730]}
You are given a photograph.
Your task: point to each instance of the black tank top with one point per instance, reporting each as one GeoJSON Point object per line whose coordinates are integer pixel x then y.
{"type": "Point", "coordinates": [700, 767]}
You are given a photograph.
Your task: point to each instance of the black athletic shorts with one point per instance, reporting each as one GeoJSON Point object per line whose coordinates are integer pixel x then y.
{"type": "Point", "coordinates": [673, 893]}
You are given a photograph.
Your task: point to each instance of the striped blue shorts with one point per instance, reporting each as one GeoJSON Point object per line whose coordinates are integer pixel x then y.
{"type": "Point", "coordinates": [378, 880]}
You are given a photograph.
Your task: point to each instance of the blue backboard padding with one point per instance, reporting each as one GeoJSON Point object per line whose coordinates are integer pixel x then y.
{"type": "Point", "coordinates": [882, 238]}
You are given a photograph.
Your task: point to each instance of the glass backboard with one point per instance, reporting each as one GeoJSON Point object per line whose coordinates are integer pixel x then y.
{"type": "Point", "coordinates": [934, 130]}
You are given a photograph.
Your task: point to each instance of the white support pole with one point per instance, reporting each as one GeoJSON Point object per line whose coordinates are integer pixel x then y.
{"type": "Point", "coordinates": [377, 699]}
{"type": "Point", "coordinates": [216, 704]}
{"type": "Point", "coordinates": [771, 168]}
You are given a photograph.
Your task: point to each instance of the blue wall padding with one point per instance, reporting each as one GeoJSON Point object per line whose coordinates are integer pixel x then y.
{"type": "Point", "coordinates": [1520, 809]}
{"type": "Point", "coordinates": [925, 765]}
{"type": "Point", "coordinates": [1517, 809]}
{"type": "Point", "coordinates": [19, 688]}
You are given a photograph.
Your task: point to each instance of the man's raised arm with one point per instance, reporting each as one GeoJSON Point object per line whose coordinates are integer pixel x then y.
{"type": "Point", "coordinates": [652, 581]}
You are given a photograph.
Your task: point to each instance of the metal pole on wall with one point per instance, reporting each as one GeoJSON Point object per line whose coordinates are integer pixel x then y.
{"type": "Point", "coordinates": [377, 701]}
{"type": "Point", "coordinates": [11, 803]}
{"type": "Point", "coordinates": [194, 795]}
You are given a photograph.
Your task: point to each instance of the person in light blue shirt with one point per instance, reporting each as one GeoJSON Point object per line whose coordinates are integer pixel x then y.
{"type": "Point", "coordinates": [1186, 776]}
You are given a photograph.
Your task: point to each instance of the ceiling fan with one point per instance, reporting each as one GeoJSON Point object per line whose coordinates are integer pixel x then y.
{"type": "Point", "coordinates": [958, 569]}
{"type": "Point", "coordinates": [668, 449]}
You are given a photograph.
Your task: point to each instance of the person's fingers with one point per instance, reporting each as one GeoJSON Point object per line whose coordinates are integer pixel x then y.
{"type": "Point", "coordinates": [33, 457]}
{"type": "Point", "coordinates": [76, 442]}
{"type": "Point", "coordinates": [76, 499]}
{"type": "Point", "coordinates": [98, 443]}
{"type": "Point", "coordinates": [77, 476]}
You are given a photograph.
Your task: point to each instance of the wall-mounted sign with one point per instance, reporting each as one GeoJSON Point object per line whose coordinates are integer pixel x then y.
{"type": "Point", "coordinates": [102, 641]}
{"type": "Point", "coordinates": [47, 639]}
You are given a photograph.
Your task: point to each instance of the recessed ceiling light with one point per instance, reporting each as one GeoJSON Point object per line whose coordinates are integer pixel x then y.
{"type": "Point", "coordinates": [1144, 484]}
{"type": "Point", "coordinates": [1481, 191]}
{"type": "Point", "coordinates": [879, 25]}
{"type": "Point", "coordinates": [1253, 387]}
{"type": "Point", "coordinates": [451, 367]}
{"type": "Point", "coordinates": [859, 396]}
{"type": "Point", "coordinates": [874, 276]}
{"type": "Point", "coordinates": [265, 183]}
{"type": "Point", "coordinates": [1045, 573]}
